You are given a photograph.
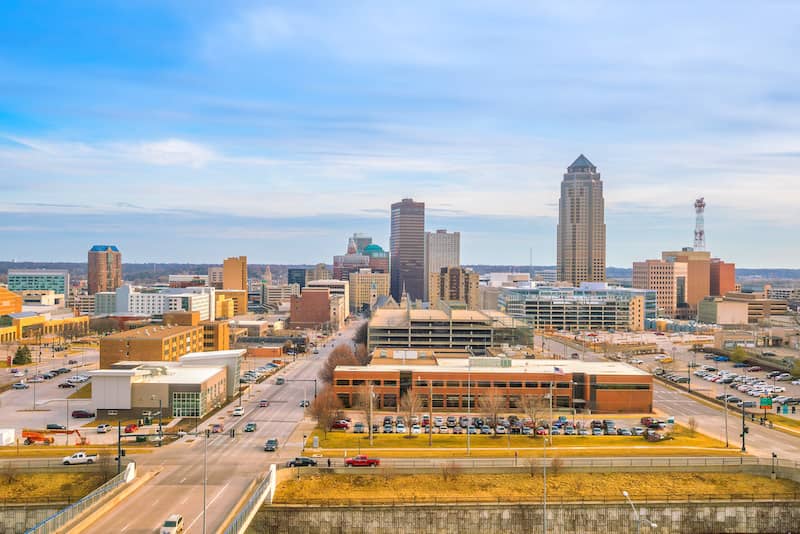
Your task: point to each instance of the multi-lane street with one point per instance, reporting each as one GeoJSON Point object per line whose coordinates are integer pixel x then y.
{"type": "Point", "coordinates": [231, 464]}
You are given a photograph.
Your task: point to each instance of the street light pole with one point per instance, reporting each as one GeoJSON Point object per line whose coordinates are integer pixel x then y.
{"type": "Point", "coordinates": [205, 478]}
{"type": "Point", "coordinates": [744, 430]}
{"type": "Point", "coordinates": [469, 399]}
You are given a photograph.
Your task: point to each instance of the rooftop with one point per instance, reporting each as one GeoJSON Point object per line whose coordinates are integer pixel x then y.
{"type": "Point", "coordinates": [153, 332]}
{"type": "Point", "coordinates": [582, 164]}
{"type": "Point", "coordinates": [567, 367]}
{"type": "Point", "coordinates": [104, 248]}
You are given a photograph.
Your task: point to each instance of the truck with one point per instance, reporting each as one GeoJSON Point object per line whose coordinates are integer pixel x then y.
{"type": "Point", "coordinates": [362, 461]}
{"type": "Point", "coordinates": [79, 458]}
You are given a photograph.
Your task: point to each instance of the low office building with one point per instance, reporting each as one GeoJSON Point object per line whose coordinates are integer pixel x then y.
{"type": "Point", "coordinates": [443, 328]}
{"type": "Point", "coordinates": [316, 307]}
{"type": "Point", "coordinates": [134, 389]}
{"type": "Point", "coordinates": [188, 280]}
{"type": "Point", "coordinates": [337, 288]}
{"type": "Point", "coordinates": [758, 307]}
{"type": "Point", "coordinates": [274, 296]}
{"type": "Point", "coordinates": [717, 310]}
{"type": "Point", "coordinates": [239, 298]}
{"type": "Point", "coordinates": [593, 306]}
{"type": "Point", "coordinates": [84, 304]}
{"type": "Point", "coordinates": [42, 298]}
{"type": "Point", "coordinates": [456, 384]}
{"type": "Point", "coordinates": [30, 325]}
{"type": "Point", "coordinates": [150, 343]}
{"type": "Point", "coordinates": [135, 300]}
{"type": "Point", "coordinates": [55, 280]}
{"type": "Point", "coordinates": [365, 289]}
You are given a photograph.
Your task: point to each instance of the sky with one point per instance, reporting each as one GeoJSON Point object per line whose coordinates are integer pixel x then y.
{"type": "Point", "coordinates": [193, 131]}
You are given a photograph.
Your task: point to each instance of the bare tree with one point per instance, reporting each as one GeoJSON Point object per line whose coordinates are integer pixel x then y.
{"type": "Point", "coordinates": [691, 423]}
{"type": "Point", "coordinates": [325, 408]}
{"type": "Point", "coordinates": [361, 401]}
{"type": "Point", "coordinates": [409, 405]}
{"type": "Point", "coordinates": [341, 355]}
{"type": "Point", "coordinates": [362, 355]}
{"type": "Point", "coordinates": [360, 337]}
{"type": "Point", "coordinates": [490, 406]}
{"type": "Point", "coordinates": [534, 406]}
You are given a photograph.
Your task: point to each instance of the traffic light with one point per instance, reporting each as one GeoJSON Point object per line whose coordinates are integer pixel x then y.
{"type": "Point", "coordinates": [208, 432]}
{"type": "Point", "coordinates": [747, 430]}
{"type": "Point", "coordinates": [233, 432]}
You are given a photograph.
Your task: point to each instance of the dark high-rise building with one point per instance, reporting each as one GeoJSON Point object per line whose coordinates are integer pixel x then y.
{"type": "Point", "coordinates": [105, 268]}
{"type": "Point", "coordinates": [581, 225]}
{"type": "Point", "coordinates": [407, 246]}
{"type": "Point", "coordinates": [297, 276]}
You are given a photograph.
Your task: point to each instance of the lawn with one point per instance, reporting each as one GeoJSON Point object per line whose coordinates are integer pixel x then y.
{"type": "Point", "coordinates": [453, 485]}
{"type": "Point", "coordinates": [396, 445]}
{"type": "Point", "coordinates": [42, 486]}
{"type": "Point", "coordinates": [784, 421]}
{"type": "Point", "coordinates": [83, 392]}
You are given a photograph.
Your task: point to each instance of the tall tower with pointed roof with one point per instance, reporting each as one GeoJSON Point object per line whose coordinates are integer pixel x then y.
{"type": "Point", "coordinates": [581, 250]}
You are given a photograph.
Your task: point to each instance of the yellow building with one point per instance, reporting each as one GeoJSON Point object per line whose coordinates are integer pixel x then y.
{"type": "Point", "coordinates": [239, 298]}
{"type": "Point", "coordinates": [234, 273]}
{"type": "Point", "coordinates": [223, 307]}
{"type": "Point", "coordinates": [37, 326]}
{"type": "Point", "coordinates": [454, 284]}
{"type": "Point", "coordinates": [10, 302]}
{"type": "Point", "coordinates": [216, 335]}
{"type": "Point", "coordinates": [366, 287]}
{"type": "Point", "coordinates": [150, 343]}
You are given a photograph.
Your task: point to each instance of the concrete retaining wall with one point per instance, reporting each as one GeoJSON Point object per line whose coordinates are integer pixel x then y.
{"type": "Point", "coordinates": [485, 519]}
{"type": "Point", "coordinates": [18, 518]}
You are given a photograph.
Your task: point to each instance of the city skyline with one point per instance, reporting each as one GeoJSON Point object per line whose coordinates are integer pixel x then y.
{"type": "Point", "coordinates": [200, 127]}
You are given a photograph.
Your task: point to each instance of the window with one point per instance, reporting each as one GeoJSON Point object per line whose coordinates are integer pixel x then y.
{"type": "Point", "coordinates": [422, 383]}
{"type": "Point", "coordinates": [621, 386]}
{"type": "Point", "coordinates": [499, 384]}
{"type": "Point", "coordinates": [515, 384]}
{"type": "Point", "coordinates": [186, 404]}
{"type": "Point", "coordinates": [359, 382]}
{"type": "Point", "coordinates": [531, 384]}
{"type": "Point", "coordinates": [438, 401]}
{"type": "Point", "coordinates": [342, 382]}
{"type": "Point", "coordinates": [482, 384]}
{"type": "Point", "coordinates": [376, 382]}
{"type": "Point", "coordinates": [562, 385]}
{"type": "Point", "coordinates": [453, 383]}
{"type": "Point", "coordinates": [452, 401]}
{"type": "Point", "coordinates": [389, 400]}
{"type": "Point", "coordinates": [438, 383]}
{"type": "Point", "coordinates": [390, 382]}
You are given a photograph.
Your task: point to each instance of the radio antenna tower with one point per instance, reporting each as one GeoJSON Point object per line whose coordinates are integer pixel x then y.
{"type": "Point", "coordinates": [699, 230]}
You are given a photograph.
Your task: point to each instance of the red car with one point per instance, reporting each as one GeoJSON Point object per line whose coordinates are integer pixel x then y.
{"type": "Point", "coordinates": [341, 425]}
{"type": "Point", "coordinates": [362, 461]}
{"type": "Point", "coordinates": [131, 428]}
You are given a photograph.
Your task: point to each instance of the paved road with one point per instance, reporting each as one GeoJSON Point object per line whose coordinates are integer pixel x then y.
{"type": "Point", "coordinates": [232, 463]}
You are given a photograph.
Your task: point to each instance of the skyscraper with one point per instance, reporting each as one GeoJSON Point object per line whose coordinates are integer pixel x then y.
{"type": "Point", "coordinates": [407, 244]}
{"type": "Point", "coordinates": [105, 268]}
{"type": "Point", "coordinates": [581, 225]}
{"type": "Point", "coordinates": [441, 250]}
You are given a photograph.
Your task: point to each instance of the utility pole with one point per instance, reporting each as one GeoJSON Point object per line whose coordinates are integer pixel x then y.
{"type": "Point", "coordinates": [744, 431]}
{"type": "Point", "coordinates": [119, 446]}
{"type": "Point", "coordinates": [430, 413]}
{"type": "Point", "coordinates": [370, 414]}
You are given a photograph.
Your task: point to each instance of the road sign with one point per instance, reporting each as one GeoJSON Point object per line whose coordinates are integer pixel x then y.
{"type": "Point", "coordinates": [765, 402]}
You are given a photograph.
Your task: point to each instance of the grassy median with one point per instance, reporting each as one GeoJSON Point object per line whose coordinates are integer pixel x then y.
{"type": "Point", "coordinates": [453, 485]}
{"type": "Point", "coordinates": [33, 487]}
{"type": "Point", "coordinates": [683, 442]}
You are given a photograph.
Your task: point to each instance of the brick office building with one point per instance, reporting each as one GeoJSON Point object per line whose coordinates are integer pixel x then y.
{"type": "Point", "coordinates": [601, 387]}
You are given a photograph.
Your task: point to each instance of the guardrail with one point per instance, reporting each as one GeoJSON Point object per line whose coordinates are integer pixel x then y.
{"type": "Point", "coordinates": [551, 500]}
{"type": "Point", "coordinates": [62, 517]}
{"type": "Point", "coordinates": [263, 491]}
{"type": "Point", "coordinates": [600, 463]}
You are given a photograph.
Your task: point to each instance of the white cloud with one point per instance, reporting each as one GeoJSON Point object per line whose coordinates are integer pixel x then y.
{"type": "Point", "coordinates": [172, 152]}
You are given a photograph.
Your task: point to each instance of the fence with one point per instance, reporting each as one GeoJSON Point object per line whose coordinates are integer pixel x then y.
{"type": "Point", "coordinates": [551, 500]}
{"type": "Point", "coordinates": [60, 519]}
{"type": "Point", "coordinates": [263, 491]}
{"type": "Point", "coordinates": [599, 463]}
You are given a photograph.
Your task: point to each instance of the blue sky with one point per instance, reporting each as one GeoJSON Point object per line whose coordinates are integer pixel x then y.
{"type": "Point", "coordinates": [190, 131]}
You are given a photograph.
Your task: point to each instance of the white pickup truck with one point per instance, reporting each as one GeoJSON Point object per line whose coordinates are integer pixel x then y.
{"type": "Point", "coordinates": [79, 458]}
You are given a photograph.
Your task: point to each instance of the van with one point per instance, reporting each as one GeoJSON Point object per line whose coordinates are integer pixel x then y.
{"type": "Point", "coordinates": [271, 445]}
{"type": "Point", "coordinates": [173, 524]}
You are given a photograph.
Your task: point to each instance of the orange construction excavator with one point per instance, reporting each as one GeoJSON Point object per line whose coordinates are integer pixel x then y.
{"type": "Point", "coordinates": [42, 436]}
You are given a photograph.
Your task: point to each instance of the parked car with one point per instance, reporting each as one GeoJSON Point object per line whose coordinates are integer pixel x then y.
{"type": "Point", "coordinates": [55, 426]}
{"type": "Point", "coordinates": [66, 385]}
{"type": "Point", "coordinates": [302, 461]}
{"type": "Point", "coordinates": [73, 362]}
{"type": "Point", "coordinates": [359, 428]}
{"type": "Point", "coordinates": [416, 429]}
{"type": "Point", "coordinates": [401, 428]}
{"type": "Point", "coordinates": [387, 429]}
{"type": "Point", "coordinates": [82, 414]}
{"type": "Point", "coordinates": [783, 377]}
{"type": "Point", "coordinates": [340, 425]}
{"type": "Point", "coordinates": [486, 429]}
{"type": "Point", "coordinates": [20, 385]}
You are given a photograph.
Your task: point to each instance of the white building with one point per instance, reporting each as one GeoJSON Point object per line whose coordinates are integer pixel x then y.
{"type": "Point", "coordinates": [442, 249]}
{"type": "Point", "coordinates": [178, 280]}
{"type": "Point", "coordinates": [131, 300]}
{"type": "Point", "coordinates": [272, 295]}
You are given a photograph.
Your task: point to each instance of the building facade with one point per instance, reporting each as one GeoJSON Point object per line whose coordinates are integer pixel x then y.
{"type": "Point", "coordinates": [466, 383]}
{"type": "Point", "coordinates": [668, 279]}
{"type": "Point", "coordinates": [10, 302]}
{"type": "Point", "coordinates": [442, 249]}
{"type": "Point", "coordinates": [319, 272]}
{"type": "Point", "coordinates": [234, 273]}
{"type": "Point", "coordinates": [758, 308]}
{"type": "Point", "coordinates": [698, 274]}
{"type": "Point", "coordinates": [716, 310]}
{"type": "Point", "coordinates": [581, 233]}
{"type": "Point", "coordinates": [275, 295]}
{"type": "Point", "coordinates": [454, 284]}
{"type": "Point", "coordinates": [150, 343]}
{"type": "Point", "coordinates": [105, 268]}
{"type": "Point", "coordinates": [313, 308]}
{"type": "Point", "coordinates": [339, 288]}
{"type": "Point", "coordinates": [55, 280]}
{"type": "Point", "coordinates": [407, 245]}
{"type": "Point", "coordinates": [215, 277]}
{"type": "Point", "coordinates": [590, 307]}
{"type": "Point", "coordinates": [297, 276]}
{"type": "Point", "coordinates": [365, 288]}
{"type": "Point", "coordinates": [723, 277]}
{"type": "Point", "coordinates": [443, 328]}
{"type": "Point", "coordinates": [187, 280]}
{"type": "Point", "coordinates": [133, 300]}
